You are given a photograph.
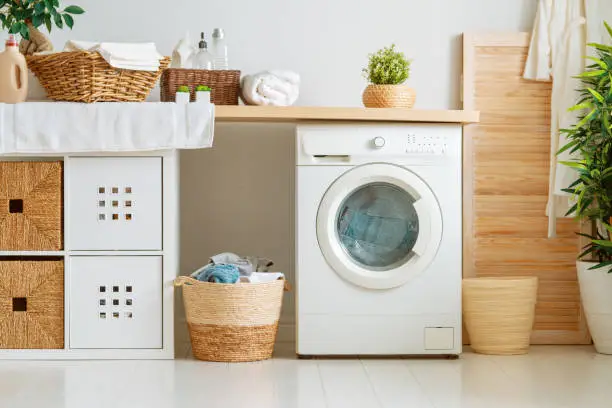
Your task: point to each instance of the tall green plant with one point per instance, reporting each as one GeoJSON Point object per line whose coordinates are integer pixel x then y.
{"type": "Point", "coordinates": [591, 140]}
{"type": "Point", "coordinates": [16, 16]}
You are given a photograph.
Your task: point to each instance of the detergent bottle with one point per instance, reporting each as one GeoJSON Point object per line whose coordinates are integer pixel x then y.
{"type": "Point", "coordinates": [13, 73]}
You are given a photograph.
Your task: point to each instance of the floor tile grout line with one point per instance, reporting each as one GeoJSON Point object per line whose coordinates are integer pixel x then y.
{"type": "Point", "coordinates": [367, 373]}
{"type": "Point", "coordinates": [423, 390]}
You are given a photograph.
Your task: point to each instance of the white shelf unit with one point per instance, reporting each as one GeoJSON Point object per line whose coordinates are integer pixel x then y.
{"type": "Point", "coordinates": [136, 254]}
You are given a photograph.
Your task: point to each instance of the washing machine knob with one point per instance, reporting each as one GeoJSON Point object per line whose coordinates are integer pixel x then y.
{"type": "Point", "coordinates": [379, 142]}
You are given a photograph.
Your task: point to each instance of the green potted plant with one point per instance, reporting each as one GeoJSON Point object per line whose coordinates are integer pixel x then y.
{"type": "Point", "coordinates": [23, 17]}
{"type": "Point", "coordinates": [591, 141]}
{"type": "Point", "coordinates": [386, 73]}
{"type": "Point", "coordinates": [183, 94]}
{"type": "Point", "coordinates": [203, 93]}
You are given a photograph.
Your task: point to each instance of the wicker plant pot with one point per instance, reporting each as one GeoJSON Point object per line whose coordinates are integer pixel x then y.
{"type": "Point", "coordinates": [389, 96]}
{"type": "Point", "coordinates": [232, 323]}
{"type": "Point", "coordinates": [499, 313]}
{"type": "Point", "coordinates": [82, 76]}
{"type": "Point", "coordinates": [595, 290]}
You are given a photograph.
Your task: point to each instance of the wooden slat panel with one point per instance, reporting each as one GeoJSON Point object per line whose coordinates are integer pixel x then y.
{"type": "Point", "coordinates": [506, 168]}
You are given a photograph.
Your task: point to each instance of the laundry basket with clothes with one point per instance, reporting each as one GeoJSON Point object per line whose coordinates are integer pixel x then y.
{"type": "Point", "coordinates": [233, 305]}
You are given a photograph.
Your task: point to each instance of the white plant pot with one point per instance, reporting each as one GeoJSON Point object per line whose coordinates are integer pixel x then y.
{"type": "Point", "coordinates": [596, 294]}
{"type": "Point", "coordinates": [182, 97]}
{"type": "Point", "coordinates": [203, 96]}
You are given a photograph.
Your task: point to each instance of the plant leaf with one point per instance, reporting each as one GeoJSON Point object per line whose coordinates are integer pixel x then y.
{"type": "Point", "coordinates": [596, 94]}
{"type": "Point", "coordinates": [589, 74]}
{"type": "Point", "coordinates": [58, 20]}
{"type": "Point", "coordinates": [69, 20]}
{"type": "Point", "coordinates": [600, 265]}
{"type": "Point", "coordinates": [24, 31]}
{"type": "Point", "coordinates": [572, 164]}
{"type": "Point", "coordinates": [39, 9]}
{"type": "Point", "coordinates": [608, 28]}
{"type": "Point", "coordinates": [55, 3]}
{"type": "Point", "coordinates": [599, 62]}
{"type": "Point", "coordinates": [568, 146]}
{"type": "Point", "coordinates": [74, 10]}
{"type": "Point", "coordinates": [603, 243]}
{"type": "Point", "coordinates": [37, 20]}
{"type": "Point", "coordinates": [580, 106]}
{"type": "Point", "coordinates": [586, 252]}
{"type": "Point", "coordinates": [48, 4]}
{"type": "Point", "coordinates": [48, 22]}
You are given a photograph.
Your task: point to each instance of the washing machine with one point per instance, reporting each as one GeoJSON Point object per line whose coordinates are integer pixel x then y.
{"type": "Point", "coordinates": [378, 239]}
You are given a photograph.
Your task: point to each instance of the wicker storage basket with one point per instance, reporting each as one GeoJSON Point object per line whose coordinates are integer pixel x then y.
{"type": "Point", "coordinates": [31, 206]}
{"type": "Point", "coordinates": [232, 323]}
{"type": "Point", "coordinates": [82, 76]}
{"type": "Point", "coordinates": [388, 96]}
{"type": "Point", "coordinates": [31, 304]}
{"type": "Point", "coordinates": [499, 313]}
{"type": "Point", "coordinates": [225, 85]}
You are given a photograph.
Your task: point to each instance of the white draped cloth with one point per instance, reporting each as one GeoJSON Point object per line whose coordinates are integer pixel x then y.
{"type": "Point", "coordinates": [558, 46]}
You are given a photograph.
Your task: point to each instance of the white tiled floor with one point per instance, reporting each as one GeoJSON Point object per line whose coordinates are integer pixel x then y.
{"type": "Point", "coordinates": [567, 376]}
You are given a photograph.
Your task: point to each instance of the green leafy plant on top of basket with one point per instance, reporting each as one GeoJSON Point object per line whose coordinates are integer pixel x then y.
{"type": "Point", "coordinates": [386, 72]}
{"type": "Point", "coordinates": [183, 88]}
{"type": "Point", "coordinates": [23, 17]}
{"type": "Point", "coordinates": [591, 140]}
{"type": "Point", "coordinates": [203, 88]}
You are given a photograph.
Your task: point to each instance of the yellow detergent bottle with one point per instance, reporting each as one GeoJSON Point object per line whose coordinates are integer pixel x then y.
{"type": "Point", "coordinates": [13, 73]}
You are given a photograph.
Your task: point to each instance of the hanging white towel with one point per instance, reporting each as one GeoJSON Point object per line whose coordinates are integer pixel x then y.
{"type": "Point", "coordinates": [557, 52]}
{"type": "Point", "coordinates": [138, 56]}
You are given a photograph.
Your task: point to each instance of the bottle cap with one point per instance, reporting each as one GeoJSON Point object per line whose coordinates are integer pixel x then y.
{"type": "Point", "coordinates": [11, 42]}
{"type": "Point", "coordinates": [218, 33]}
{"type": "Point", "coordinates": [202, 44]}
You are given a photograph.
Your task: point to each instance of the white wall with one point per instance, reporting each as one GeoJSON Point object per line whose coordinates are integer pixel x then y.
{"type": "Point", "coordinates": [238, 196]}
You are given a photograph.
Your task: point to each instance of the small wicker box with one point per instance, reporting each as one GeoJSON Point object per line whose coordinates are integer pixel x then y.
{"type": "Point", "coordinates": [31, 206]}
{"type": "Point", "coordinates": [225, 85]}
{"type": "Point", "coordinates": [31, 304]}
{"type": "Point", "coordinates": [82, 76]}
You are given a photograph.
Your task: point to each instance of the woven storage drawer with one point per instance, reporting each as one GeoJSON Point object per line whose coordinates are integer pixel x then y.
{"type": "Point", "coordinates": [225, 84]}
{"type": "Point", "coordinates": [31, 206]}
{"type": "Point", "coordinates": [115, 203]}
{"type": "Point", "coordinates": [82, 76]}
{"type": "Point", "coordinates": [232, 323]}
{"type": "Point", "coordinates": [31, 304]}
{"type": "Point", "coordinates": [116, 302]}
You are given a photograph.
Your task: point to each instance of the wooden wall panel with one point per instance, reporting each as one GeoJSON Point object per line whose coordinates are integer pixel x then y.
{"type": "Point", "coordinates": [506, 166]}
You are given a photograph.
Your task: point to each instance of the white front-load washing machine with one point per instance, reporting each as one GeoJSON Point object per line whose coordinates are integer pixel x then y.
{"type": "Point", "coordinates": [378, 231]}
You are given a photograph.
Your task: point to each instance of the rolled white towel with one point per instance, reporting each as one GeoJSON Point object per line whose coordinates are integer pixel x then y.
{"type": "Point", "coordinates": [276, 88]}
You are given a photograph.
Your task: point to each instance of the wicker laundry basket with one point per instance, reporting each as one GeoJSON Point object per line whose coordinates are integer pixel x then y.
{"type": "Point", "coordinates": [499, 313]}
{"type": "Point", "coordinates": [232, 323]}
{"type": "Point", "coordinates": [224, 84]}
{"type": "Point", "coordinates": [82, 76]}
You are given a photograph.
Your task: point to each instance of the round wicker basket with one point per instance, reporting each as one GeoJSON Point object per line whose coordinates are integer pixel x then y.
{"type": "Point", "coordinates": [232, 323]}
{"type": "Point", "coordinates": [499, 313]}
{"type": "Point", "coordinates": [388, 96]}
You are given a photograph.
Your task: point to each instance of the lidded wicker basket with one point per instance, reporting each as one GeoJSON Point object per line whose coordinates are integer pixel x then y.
{"type": "Point", "coordinates": [499, 313]}
{"type": "Point", "coordinates": [83, 76]}
{"type": "Point", "coordinates": [232, 322]}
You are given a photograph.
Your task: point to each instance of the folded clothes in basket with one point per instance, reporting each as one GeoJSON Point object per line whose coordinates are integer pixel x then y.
{"type": "Point", "coordinates": [228, 267]}
{"type": "Point", "coordinates": [137, 56]}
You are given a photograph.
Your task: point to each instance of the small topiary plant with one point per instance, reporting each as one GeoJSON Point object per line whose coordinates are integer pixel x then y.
{"type": "Point", "coordinates": [183, 88]}
{"type": "Point", "coordinates": [387, 67]}
{"type": "Point", "coordinates": [203, 88]}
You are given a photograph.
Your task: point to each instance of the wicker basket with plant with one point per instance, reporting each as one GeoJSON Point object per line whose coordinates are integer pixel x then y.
{"type": "Point", "coordinates": [386, 72]}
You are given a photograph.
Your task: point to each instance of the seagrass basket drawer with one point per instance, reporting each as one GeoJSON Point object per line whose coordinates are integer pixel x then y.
{"type": "Point", "coordinates": [31, 303]}
{"type": "Point", "coordinates": [31, 206]}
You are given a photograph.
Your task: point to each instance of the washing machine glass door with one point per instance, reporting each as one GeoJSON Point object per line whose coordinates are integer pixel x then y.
{"type": "Point", "coordinates": [379, 225]}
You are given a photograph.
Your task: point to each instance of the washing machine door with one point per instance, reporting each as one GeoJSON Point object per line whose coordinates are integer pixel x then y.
{"type": "Point", "coordinates": [379, 225]}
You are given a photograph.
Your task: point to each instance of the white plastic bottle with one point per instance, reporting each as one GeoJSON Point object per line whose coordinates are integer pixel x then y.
{"type": "Point", "coordinates": [219, 50]}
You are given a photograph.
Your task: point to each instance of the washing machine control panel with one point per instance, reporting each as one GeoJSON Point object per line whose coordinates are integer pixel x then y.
{"type": "Point", "coordinates": [427, 144]}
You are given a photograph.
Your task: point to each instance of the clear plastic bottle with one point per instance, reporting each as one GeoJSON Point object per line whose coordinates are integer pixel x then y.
{"type": "Point", "coordinates": [203, 59]}
{"type": "Point", "coordinates": [219, 50]}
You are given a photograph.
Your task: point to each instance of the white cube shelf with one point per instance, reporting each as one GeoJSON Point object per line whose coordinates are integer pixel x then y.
{"type": "Point", "coordinates": [115, 203]}
{"type": "Point", "coordinates": [115, 302]}
{"type": "Point", "coordinates": [118, 272]}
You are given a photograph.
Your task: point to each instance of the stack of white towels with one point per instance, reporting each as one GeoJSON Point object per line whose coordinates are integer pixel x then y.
{"type": "Point", "coordinates": [134, 56]}
{"type": "Point", "coordinates": [275, 88]}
